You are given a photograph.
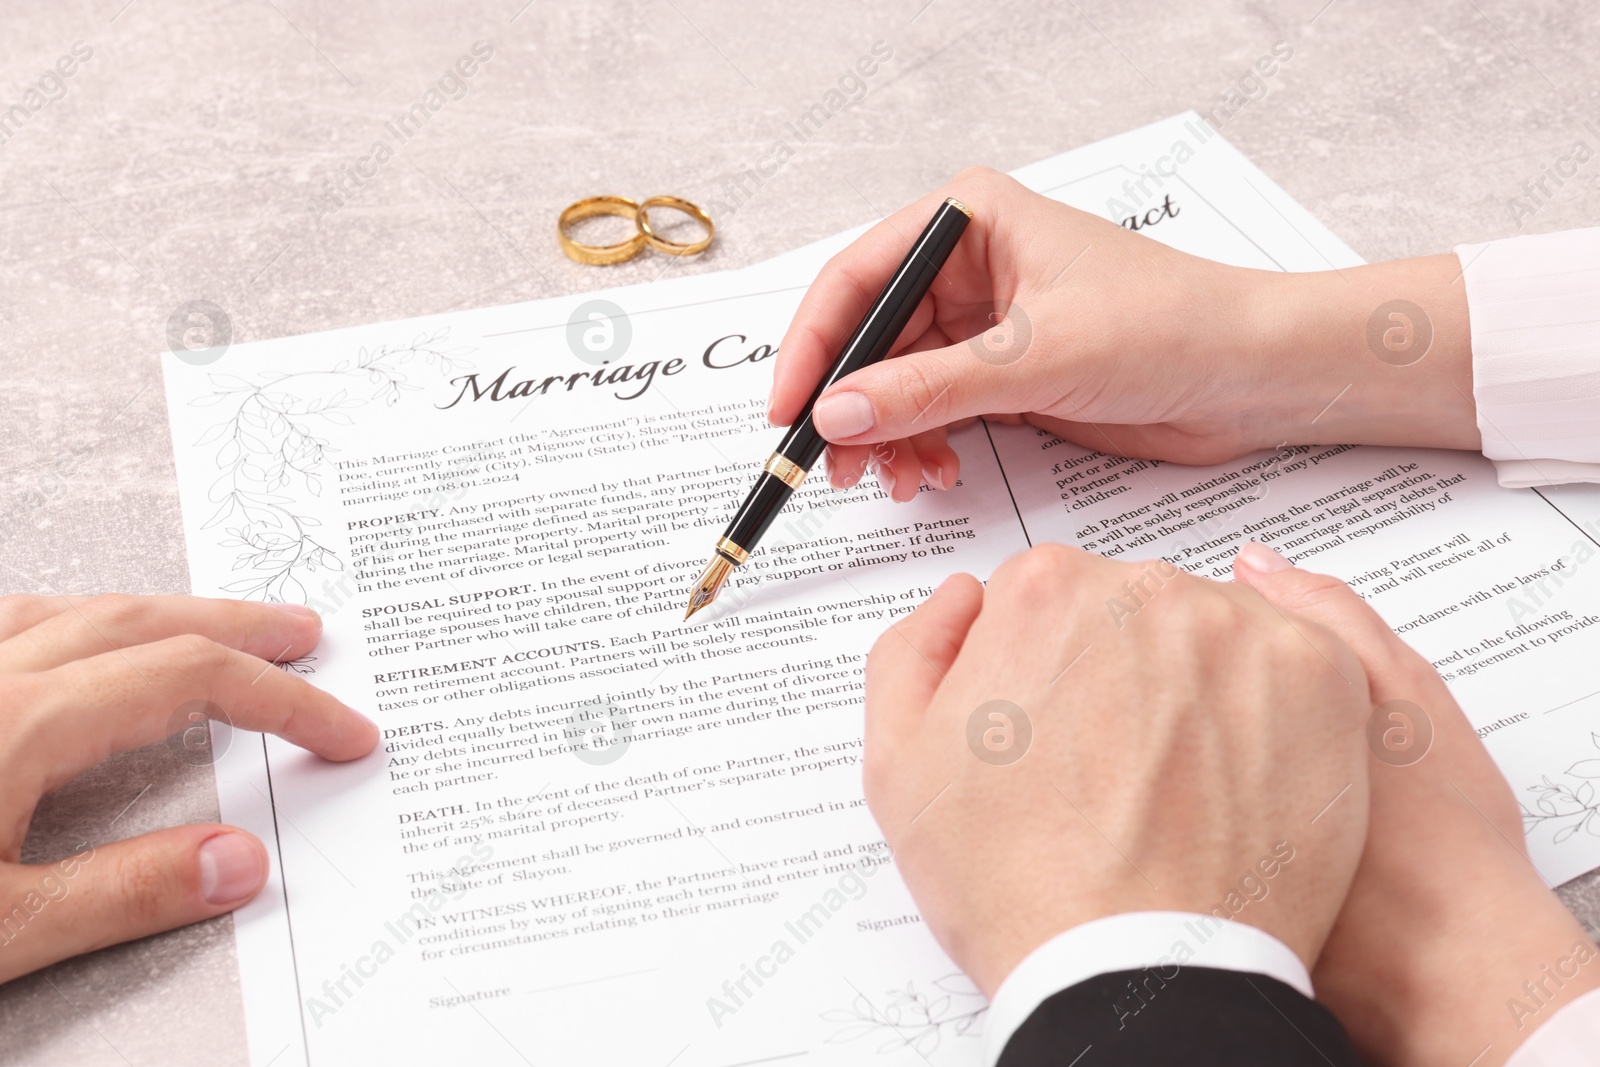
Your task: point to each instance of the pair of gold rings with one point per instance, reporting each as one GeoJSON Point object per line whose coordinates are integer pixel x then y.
{"type": "Point", "coordinates": [605, 255]}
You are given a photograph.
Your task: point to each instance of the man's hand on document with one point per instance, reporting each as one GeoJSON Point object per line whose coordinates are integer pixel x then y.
{"type": "Point", "coordinates": [84, 677]}
{"type": "Point", "coordinates": [1086, 737]}
{"type": "Point", "coordinates": [1118, 343]}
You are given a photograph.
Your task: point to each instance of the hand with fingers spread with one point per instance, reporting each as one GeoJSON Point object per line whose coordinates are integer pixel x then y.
{"type": "Point", "coordinates": [1115, 342]}
{"type": "Point", "coordinates": [82, 678]}
{"type": "Point", "coordinates": [1038, 760]}
{"type": "Point", "coordinates": [1450, 949]}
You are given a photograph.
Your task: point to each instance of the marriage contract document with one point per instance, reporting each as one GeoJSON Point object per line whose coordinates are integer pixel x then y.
{"type": "Point", "coordinates": [595, 834]}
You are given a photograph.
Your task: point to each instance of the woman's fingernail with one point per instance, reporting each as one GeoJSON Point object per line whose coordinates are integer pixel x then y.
{"type": "Point", "coordinates": [296, 609]}
{"type": "Point", "coordinates": [1261, 559]}
{"type": "Point", "coordinates": [231, 868]}
{"type": "Point", "coordinates": [933, 474]}
{"type": "Point", "coordinates": [843, 415]}
{"type": "Point", "coordinates": [886, 479]}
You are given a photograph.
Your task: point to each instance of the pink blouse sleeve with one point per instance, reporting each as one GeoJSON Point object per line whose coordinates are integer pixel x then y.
{"type": "Point", "coordinates": [1570, 1039]}
{"type": "Point", "coordinates": [1534, 305]}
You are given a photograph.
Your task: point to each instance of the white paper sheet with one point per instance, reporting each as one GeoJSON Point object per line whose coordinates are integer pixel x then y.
{"type": "Point", "coordinates": [711, 892]}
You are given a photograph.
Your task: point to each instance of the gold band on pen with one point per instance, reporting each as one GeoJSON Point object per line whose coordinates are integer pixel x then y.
{"type": "Point", "coordinates": [674, 248]}
{"type": "Point", "coordinates": [785, 470]}
{"type": "Point", "coordinates": [732, 551]}
{"type": "Point", "coordinates": [959, 206]}
{"type": "Point", "coordinates": [600, 255]}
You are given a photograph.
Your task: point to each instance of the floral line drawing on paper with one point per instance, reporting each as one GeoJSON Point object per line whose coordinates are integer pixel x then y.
{"type": "Point", "coordinates": [913, 1019]}
{"type": "Point", "coordinates": [270, 455]}
{"type": "Point", "coordinates": [1569, 807]}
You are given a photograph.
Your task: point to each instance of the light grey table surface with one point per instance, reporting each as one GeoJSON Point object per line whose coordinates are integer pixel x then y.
{"type": "Point", "coordinates": [188, 158]}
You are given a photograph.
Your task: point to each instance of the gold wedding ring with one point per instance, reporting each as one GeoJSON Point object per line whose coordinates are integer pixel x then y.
{"type": "Point", "coordinates": [601, 255]}
{"type": "Point", "coordinates": [673, 248]}
{"type": "Point", "coordinates": [622, 207]}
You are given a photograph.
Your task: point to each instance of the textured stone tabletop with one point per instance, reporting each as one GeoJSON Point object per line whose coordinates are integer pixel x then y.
{"type": "Point", "coordinates": [226, 152]}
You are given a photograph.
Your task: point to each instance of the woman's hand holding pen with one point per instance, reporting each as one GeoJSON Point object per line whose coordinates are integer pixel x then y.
{"type": "Point", "coordinates": [83, 677]}
{"type": "Point", "coordinates": [1117, 343]}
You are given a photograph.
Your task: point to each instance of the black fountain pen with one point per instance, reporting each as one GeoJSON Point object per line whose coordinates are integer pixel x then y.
{"type": "Point", "coordinates": [788, 466]}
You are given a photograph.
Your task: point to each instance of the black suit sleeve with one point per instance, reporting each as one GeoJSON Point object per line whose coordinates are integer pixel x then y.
{"type": "Point", "coordinates": [1194, 1017]}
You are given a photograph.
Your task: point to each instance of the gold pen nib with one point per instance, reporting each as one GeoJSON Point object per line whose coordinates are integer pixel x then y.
{"type": "Point", "coordinates": [710, 583]}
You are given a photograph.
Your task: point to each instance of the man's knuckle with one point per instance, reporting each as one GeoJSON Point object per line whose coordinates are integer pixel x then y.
{"type": "Point", "coordinates": [1057, 557]}
{"type": "Point", "coordinates": [17, 610]}
{"type": "Point", "coordinates": [26, 718]}
{"type": "Point", "coordinates": [117, 611]}
{"type": "Point", "coordinates": [194, 653]}
{"type": "Point", "coordinates": [1040, 571]}
{"type": "Point", "coordinates": [1206, 598]}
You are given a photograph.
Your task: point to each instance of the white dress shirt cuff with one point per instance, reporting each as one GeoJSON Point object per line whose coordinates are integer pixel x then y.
{"type": "Point", "coordinates": [1534, 307]}
{"type": "Point", "coordinates": [1162, 941]}
{"type": "Point", "coordinates": [1570, 1039]}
